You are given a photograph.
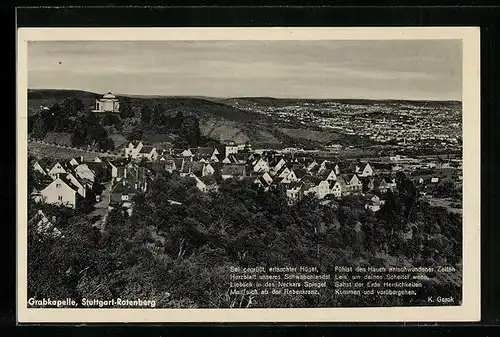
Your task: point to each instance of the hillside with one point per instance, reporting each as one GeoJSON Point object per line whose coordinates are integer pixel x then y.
{"type": "Point", "coordinates": [220, 118]}
{"type": "Point", "coordinates": [47, 97]}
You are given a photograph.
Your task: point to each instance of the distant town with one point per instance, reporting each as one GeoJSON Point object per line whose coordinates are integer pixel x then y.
{"type": "Point", "coordinates": [410, 126]}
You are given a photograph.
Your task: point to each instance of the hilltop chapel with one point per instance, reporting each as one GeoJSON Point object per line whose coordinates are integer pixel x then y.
{"type": "Point", "coordinates": [108, 104]}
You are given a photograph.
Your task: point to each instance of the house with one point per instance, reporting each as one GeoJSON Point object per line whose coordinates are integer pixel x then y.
{"type": "Point", "coordinates": [199, 184]}
{"type": "Point", "coordinates": [216, 157]}
{"type": "Point", "coordinates": [38, 168]}
{"type": "Point", "coordinates": [244, 157]}
{"type": "Point", "coordinates": [312, 165]}
{"type": "Point", "coordinates": [187, 153]}
{"type": "Point", "coordinates": [123, 192]}
{"type": "Point", "coordinates": [283, 173]}
{"type": "Point", "coordinates": [299, 172]}
{"type": "Point", "coordinates": [367, 171]}
{"type": "Point", "coordinates": [84, 172]}
{"type": "Point", "coordinates": [262, 183]}
{"type": "Point", "coordinates": [355, 184]}
{"type": "Point", "coordinates": [81, 187]}
{"type": "Point", "coordinates": [337, 169]}
{"type": "Point", "coordinates": [207, 169]}
{"type": "Point", "coordinates": [231, 148]}
{"type": "Point", "coordinates": [43, 225]}
{"type": "Point", "coordinates": [76, 161]}
{"type": "Point", "coordinates": [279, 165]}
{"type": "Point", "coordinates": [368, 183]}
{"type": "Point", "coordinates": [340, 188]}
{"type": "Point", "coordinates": [323, 189]}
{"type": "Point", "coordinates": [148, 152]}
{"type": "Point", "coordinates": [328, 175]}
{"type": "Point", "coordinates": [211, 183]}
{"type": "Point", "coordinates": [131, 180]}
{"type": "Point", "coordinates": [382, 185]}
{"type": "Point", "coordinates": [373, 202]}
{"type": "Point", "coordinates": [264, 180]}
{"type": "Point", "coordinates": [232, 170]}
{"type": "Point", "coordinates": [260, 165]}
{"type": "Point", "coordinates": [113, 169]}
{"type": "Point", "coordinates": [290, 177]}
{"type": "Point", "coordinates": [203, 152]}
{"type": "Point", "coordinates": [191, 167]}
{"type": "Point", "coordinates": [56, 170]}
{"type": "Point", "coordinates": [133, 149]}
{"type": "Point", "coordinates": [61, 192]}
{"type": "Point", "coordinates": [293, 192]}
{"type": "Point", "coordinates": [391, 183]}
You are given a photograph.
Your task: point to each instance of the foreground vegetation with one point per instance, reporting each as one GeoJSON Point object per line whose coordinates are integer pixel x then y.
{"type": "Point", "coordinates": [180, 254]}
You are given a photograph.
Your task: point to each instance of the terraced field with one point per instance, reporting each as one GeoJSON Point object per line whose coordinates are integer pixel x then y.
{"type": "Point", "coordinates": [45, 150]}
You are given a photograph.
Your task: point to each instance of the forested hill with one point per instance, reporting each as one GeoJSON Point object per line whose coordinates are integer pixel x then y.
{"type": "Point", "coordinates": [199, 106]}
{"type": "Point", "coordinates": [218, 119]}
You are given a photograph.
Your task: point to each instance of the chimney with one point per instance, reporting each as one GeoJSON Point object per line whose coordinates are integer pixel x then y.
{"type": "Point", "coordinates": [81, 159]}
{"type": "Point", "coordinates": [125, 172]}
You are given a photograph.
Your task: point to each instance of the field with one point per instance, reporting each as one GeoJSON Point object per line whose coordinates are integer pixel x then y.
{"type": "Point", "coordinates": [44, 150]}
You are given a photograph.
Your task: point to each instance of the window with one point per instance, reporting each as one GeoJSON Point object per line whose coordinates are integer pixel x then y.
{"type": "Point", "coordinates": [59, 198]}
{"type": "Point", "coordinates": [58, 185]}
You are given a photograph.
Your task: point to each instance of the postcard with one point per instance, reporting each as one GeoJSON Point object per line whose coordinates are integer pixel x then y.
{"type": "Point", "coordinates": [248, 175]}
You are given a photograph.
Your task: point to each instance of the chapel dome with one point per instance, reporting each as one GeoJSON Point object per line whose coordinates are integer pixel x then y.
{"type": "Point", "coordinates": [109, 95]}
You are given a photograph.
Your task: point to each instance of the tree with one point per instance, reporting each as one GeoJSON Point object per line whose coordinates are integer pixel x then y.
{"type": "Point", "coordinates": [126, 109]}
{"type": "Point", "coordinates": [190, 130]}
{"type": "Point", "coordinates": [110, 119]}
{"type": "Point", "coordinates": [136, 134]}
{"type": "Point", "coordinates": [79, 134]}
{"type": "Point", "coordinates": [39, 130]}
{"type": "Point", "coordinates": [106, 143]}
{"type": "Point", "coordinates": [146, 114]}
{"type": "Point", "coordinates": [446, 189]}
{"type": "Point", "coordinates": [178, 120]}
{"type": "Point", "coordinates": [71, 106]}
{"type": "Point", "coordinates": [60, 121]}
{"type": "Point", "coordinates": [158, 117]}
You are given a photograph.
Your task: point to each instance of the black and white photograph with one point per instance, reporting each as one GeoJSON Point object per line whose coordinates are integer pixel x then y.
{"type": "Point", "coordinates": [249, 173]}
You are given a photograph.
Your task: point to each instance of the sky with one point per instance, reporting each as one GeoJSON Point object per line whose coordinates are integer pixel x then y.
{"type": "Point", "coordinates": [382, 69]}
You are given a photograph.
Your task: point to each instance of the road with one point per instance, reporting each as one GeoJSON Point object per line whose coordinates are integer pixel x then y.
{"type": "Point", "coordinates": [101, 208]}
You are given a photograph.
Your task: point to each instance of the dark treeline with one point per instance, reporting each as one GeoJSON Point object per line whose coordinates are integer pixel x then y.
{"type": "Point", "coordinates": [180, 255]}
{"type": "Point", "coordinates": [69, 115]}
{"type": "Point", "coordinates": [186, 127]}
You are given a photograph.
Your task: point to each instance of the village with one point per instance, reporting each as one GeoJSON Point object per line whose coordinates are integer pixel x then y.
{"type": "Point", "coordinates": [101, 183]}
{"type": "Point", "coordinates": [298, 174]}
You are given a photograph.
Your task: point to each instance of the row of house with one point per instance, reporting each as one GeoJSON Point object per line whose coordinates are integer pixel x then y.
{"type": "Point", "coordinates": [299, 176]}
{"type": "Point", "coordinates": [137, 150]}
{"type": "Point", "coordinates": [65, 183]}
{"type": "Point", "coordinates": [68, 183]}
